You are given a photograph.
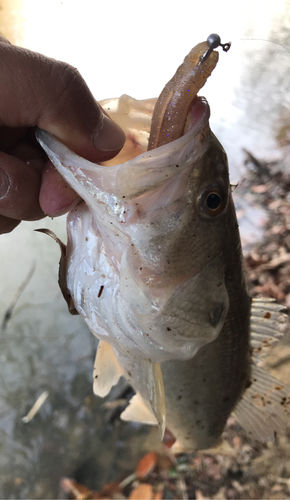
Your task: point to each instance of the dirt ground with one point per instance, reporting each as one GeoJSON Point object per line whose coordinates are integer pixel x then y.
{"type": "Point", "coordinates": [256, 470]}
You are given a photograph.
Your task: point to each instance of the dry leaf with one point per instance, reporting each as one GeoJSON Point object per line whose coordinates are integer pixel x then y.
{"type": "Point", "coordinates": [237, 442]}
{"type": "Point", "coordinates": [221, 494]}
{"type": "Point", "coordinates": [110, 490]}
{"type": "Point", "coordinates": [168, 438]}
{"type": "Point", "coordinates": [146, 464]}
{"type": "Point", "coordinates": [77, 491]}
{"type": "Point", "coordinates": [199, 495]}
{"type": "Point", "coordinates": [159, 493]}
{"type": "Point", "coordinates": [142, 492]}
{"type": "Point", "coordinates": [260, 189]}
{"type": "Point", "coordinates": [165, 462]}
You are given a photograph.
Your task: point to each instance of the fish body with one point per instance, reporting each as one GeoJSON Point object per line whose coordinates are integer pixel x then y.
{"type": "Point", "coordinates": [206, 388]}
{"type": "Point", "coordinates": [154, 265]}
{"type": "Point", "coordinates": [201, 392]}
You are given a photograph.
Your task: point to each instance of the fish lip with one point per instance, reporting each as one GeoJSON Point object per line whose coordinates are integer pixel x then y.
{"type": "Point", "coordinates": [197, 121]}
{"type": "Point", "coordinates": [162, 161]}
{"type": "Point", "coordinates": [198, 114]}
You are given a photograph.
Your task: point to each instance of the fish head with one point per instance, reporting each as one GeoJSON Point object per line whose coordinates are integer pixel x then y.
{"type": "Point", "coordinates": [151, 234]}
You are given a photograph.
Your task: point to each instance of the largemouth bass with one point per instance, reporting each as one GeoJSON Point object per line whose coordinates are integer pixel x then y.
{"type": "Point", "coordinates": [155, 267]}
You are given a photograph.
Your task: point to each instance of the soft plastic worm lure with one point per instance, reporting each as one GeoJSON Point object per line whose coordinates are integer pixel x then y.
{"type": "Point", "coordinates": [171, 109]}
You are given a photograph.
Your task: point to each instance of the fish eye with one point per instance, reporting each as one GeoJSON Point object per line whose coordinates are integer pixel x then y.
{"type": "Point", "coordinates": [212, 201]}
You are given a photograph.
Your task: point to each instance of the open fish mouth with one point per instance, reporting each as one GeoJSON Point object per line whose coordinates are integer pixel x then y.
{"type": "Point", "coordinates": [138, 122]}
{"type": "Point", "coordinates": [176, 154]}
{"type": "Point", "coordinates": [123, 239]}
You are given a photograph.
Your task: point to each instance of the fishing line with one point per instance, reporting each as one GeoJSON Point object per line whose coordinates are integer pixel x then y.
{"type": "Point", "coordinates": [261, 40]}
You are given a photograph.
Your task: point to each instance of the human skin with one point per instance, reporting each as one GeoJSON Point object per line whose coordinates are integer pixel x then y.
{"type": "Point", "coordinates": [52, 95]}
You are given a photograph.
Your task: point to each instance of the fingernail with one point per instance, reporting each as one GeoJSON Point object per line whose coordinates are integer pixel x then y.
{"type": "Point", "coordinates": [5, 183]}
{"type": "Point", "coordinates": [109, 136]}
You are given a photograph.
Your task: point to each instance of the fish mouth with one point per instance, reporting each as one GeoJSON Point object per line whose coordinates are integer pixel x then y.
{"type": "Point", "coordinates": [198, 113]}
{"type": "Point", "coordinates": [137, 138]}
{"type": "Point", "coordinates": [196, 123]}
{"type": "Point", "coordinates": [139, 172]}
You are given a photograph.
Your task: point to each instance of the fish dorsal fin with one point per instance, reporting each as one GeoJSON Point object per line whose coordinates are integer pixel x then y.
{"type": "Point", "coordinates": [139, 411]}
{"type": "Point", "coordinates": [265, 405]}
{"type": "Point", "coordinates": [268, 323]}
{"type": "Point", "coordinates": [107, 370]}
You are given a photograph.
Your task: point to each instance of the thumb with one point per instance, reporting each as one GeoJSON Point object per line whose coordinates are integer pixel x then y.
{"type": "Point", "coordinates": [53, 95]}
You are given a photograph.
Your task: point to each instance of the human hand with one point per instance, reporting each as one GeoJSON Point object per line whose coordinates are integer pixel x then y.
{"type": "Point", "coordinates": [38, 91]}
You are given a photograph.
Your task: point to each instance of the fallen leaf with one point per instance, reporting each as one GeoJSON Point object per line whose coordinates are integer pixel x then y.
{"type": "Point", "coordinates": [142, 492]}
{"type": "Point", "coordinates": [199, 495]}
{"type": "Point", "coordinates": [165, 462]}
{"type": "Point", "coordinates": [221, 494]}
{"type": "Point", "coordinates": [112, 405]}
{"type": "Point", "coordinates": [168, 438]}
{"type": "Point", "coordinates": [260, 189]}
{"type": "Point", "coordinates": [76, 490]}
{"type": "Point", "coordinates": [159, 493]}
{"type": "Point", "coordinates": [237, 442]}
{"type": "Point", "coordinates": [277, 229]}
{"type": "Point", "coordinates": [146, 464]}
{"type": "Point", "coordinates": [110, 490]}
{"type": "Point", "coordinates": [273, 205]}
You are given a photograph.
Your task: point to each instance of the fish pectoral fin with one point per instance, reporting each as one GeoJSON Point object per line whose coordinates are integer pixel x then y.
{"type": "Point", "coordinates": [265, 406]}
{"type": "Point", "coordinates": [268, 323]}
{"type": "Point", "coordinates": [139, 410]}
{"type": "Point", "coordinates": [222, 447]}
{"type": "Point", "coordinates": [62, 270]}
{"type": "Point", "coordinates": [156, 394]}
{"type": "Point", "coordinates": [107, 370]}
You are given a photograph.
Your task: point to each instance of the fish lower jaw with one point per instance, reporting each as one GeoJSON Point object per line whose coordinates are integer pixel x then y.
{"type": "Point", "coordinates": [139, 348]}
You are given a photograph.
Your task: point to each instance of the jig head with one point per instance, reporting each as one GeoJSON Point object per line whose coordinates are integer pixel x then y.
{"type": "Point", "coordinates": [213, 41]}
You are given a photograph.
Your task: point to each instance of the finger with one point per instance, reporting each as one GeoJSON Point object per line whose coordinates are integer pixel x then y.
{"type": "Point", "coordinates": [56, 196]}
{"type": "Point", "coordinates": [4, 41]}
{"type": "Point", "coordinates": [19, 189]}
{"type": "Point", "coordinates": [10, 136]}
{"type": "Point", "coordinates": [53, 95]}
{"type": "Point", "coordinates": [7, 225]}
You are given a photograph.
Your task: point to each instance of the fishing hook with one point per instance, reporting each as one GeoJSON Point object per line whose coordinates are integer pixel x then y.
{"type": "Point", "coordinates": [213, 42]}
